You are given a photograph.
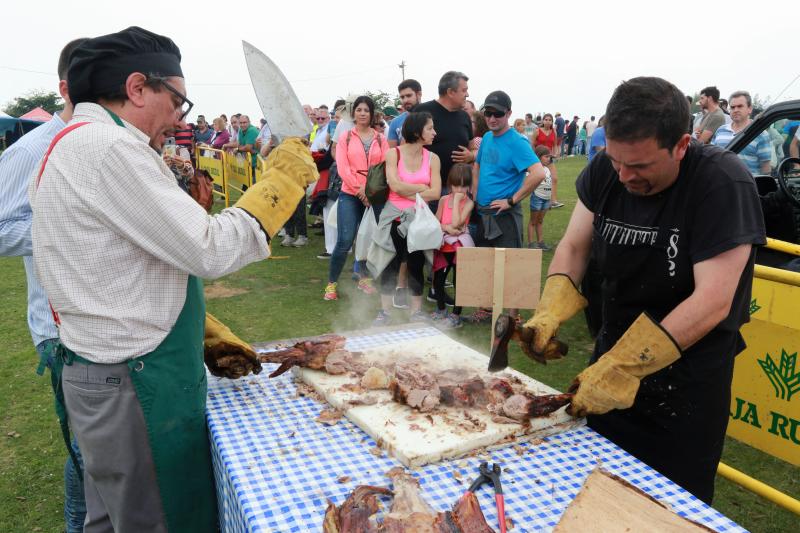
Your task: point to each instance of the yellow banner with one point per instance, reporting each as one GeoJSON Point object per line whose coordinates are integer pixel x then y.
{"type": "Point", "coordinates": [765, 399]}
{"type": "Point", "coordinates": [239, 170]}
{"type": "Point", "coordinates": [211, 165]}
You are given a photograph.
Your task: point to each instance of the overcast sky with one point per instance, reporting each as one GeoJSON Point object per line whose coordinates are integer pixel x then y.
{"type": "Point", "coordinates": [565, 57]}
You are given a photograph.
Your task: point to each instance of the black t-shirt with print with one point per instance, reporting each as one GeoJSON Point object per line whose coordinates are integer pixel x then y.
{"type": "Point", "coordinates": [453, 128]}
{"type": "Point", "coordinates": [712, 207]}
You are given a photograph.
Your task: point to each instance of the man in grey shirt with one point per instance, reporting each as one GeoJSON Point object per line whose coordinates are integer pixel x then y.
{"type": "Point", "coordinates": [713, 116]}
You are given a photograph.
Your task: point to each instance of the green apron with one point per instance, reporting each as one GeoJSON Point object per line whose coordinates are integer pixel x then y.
{"type": "Point", "coordinates": [171, 386]}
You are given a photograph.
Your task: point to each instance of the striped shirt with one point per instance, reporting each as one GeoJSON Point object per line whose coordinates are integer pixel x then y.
{"type": "Point", "coordinates": [753, 155]}
{"type": "Point", "coordinates": [17, 164]}
{"type": "Point", "coordinates": [115, 239]}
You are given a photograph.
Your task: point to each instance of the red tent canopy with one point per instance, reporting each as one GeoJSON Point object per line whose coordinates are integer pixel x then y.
{"type": "Point", "coordinates": [37, 114]}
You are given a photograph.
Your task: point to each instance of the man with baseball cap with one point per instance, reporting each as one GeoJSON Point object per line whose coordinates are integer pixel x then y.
{"type": "Point", "coordinates": [506, 171]}
{"type": "Point", "coordinates": [120, 250]}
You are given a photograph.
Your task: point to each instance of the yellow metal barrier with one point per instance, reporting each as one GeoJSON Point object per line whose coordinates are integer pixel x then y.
{"type": "Point", "coordinates": [757, 487]}
{"type": "Point", "coordinates": [211, 160]}
{"type": "Point", "coordinates": [783, 246]}
{"type": "Point", "coordinates": [238, 171]}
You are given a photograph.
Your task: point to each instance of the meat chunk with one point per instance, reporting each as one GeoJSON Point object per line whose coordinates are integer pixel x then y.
{"type": "Point", "coordinates": [353, 516]}
{"type": "Point", "coordinates": [525, 405]}
{"type": "Point", "coordinates": [409, 512]}
{"type": "Point", "coordinates": [415, 387]}
{"type": "Point", "coordinates": [375, 378]}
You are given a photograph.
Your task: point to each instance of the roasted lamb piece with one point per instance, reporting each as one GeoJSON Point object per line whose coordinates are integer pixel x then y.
{"type": "Point", "coordinates": [353, 516]}
{"type": "Point", "coordinates": [409, 511]}
{"type": "Point", "coordinates": [309, 353]}
{"type": "Point", "coordinates": [414, 387]}
{"type": "Point", "coordinates": [525, 405]}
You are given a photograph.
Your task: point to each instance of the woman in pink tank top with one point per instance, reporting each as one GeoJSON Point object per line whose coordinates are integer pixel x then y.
{"type": "Point", "coordinates": [410, 170]}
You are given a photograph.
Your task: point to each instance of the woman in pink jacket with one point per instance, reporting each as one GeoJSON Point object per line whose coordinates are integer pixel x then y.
{"type": "Point", "coordinates": [356, 151]}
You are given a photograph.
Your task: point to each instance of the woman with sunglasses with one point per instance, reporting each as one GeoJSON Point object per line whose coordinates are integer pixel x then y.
{"type": "Point", "coordinates": [356, 151]}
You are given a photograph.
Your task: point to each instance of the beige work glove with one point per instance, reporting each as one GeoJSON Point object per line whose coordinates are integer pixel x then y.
{"type": "Point", "coordinates": [612, 382]}
{"type": "Point", "coordinates": [226, 355]}
{"type": "Point", "coordinates": [559, 302]}
{"type": "Point", "coordinates": [289, 169]}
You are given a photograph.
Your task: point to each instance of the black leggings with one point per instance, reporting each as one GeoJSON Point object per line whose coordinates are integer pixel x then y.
{"type": "Point", "coordinates": [415, 261]}
{"type": "Point", "coordinates": [439, 278]}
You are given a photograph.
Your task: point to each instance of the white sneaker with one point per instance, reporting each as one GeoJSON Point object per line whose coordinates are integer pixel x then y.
{"type": "Point", "coordinates": [282, 233]}
{"type": "Point", "coordinates": [301, 240]}
{"type": "Point", "coordinates": [287, 241]}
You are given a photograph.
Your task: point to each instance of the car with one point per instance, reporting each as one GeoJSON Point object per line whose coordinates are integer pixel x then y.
{"type": "Point", "coordinates": [780, 189]}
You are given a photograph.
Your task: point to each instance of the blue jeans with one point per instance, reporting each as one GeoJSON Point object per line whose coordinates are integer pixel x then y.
{"type": "Point", "coordinates": [74, 500]}
{"type": "Point", "coordinates": [348, 216]}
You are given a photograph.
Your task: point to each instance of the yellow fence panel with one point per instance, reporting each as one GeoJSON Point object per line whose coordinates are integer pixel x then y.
{"type": "Point", "coordinates": [238, 171]}
{"type": "Point", "coordinates": [211, 161]}
{"type": "Point", "coordinates": [765, 399]}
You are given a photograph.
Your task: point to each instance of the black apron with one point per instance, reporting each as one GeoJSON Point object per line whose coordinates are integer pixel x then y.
{"type": "Point", "coordinates": [678, 420]}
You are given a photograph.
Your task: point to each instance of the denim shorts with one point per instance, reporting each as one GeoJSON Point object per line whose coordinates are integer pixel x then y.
{"type": "Point", "coordinates": [539, 204]}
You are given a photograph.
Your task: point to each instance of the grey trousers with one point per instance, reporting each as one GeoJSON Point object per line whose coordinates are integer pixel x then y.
{"type": "Point", "coordinates": [122, 493]}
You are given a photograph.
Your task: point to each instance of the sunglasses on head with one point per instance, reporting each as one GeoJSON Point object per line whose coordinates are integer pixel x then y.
{"type": "Point", "coordinates": [496, 114]}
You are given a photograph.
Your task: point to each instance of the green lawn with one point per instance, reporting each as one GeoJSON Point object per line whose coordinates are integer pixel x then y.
{"type": "Point", "coordinates": [283, 298]}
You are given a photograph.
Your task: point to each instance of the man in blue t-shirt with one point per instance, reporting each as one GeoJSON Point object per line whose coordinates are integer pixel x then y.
{"type": "Point", "coordinates": [507, 171]}
{"type": "Point", "coordinates": [410, 92]}
{"type": "Point", "coordinates": [598, 141]}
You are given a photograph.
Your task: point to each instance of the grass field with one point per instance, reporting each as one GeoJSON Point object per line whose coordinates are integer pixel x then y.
{"type": "Point", "coordinates": [277, 299]}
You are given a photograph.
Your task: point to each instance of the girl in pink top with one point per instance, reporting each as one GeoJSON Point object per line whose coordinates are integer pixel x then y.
{"type": "Point", "coordinates": [410, 170]}
{"type": "Point", "coordinates": [453, 213]}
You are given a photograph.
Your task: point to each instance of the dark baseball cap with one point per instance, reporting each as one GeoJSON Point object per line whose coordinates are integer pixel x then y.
{"type": "Point", "coordinates": [497, 100]}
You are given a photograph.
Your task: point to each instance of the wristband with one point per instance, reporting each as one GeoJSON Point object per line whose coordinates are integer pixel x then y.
{"type": "Point", "coordinates": [510, 201]}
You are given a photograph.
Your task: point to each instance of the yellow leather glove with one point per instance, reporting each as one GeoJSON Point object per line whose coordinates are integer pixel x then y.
{"type": "Point", "coordinates": [559, 302]}
{"type": "Point", "coordinates": [289, 169]}
{"type": "Point", "coordinates": [226, 355]}
{"type": "Point", "coordinates": [612, 382]}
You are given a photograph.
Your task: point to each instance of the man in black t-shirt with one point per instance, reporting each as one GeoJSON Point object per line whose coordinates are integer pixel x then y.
{"type": "Point", "coordinates": [671, 225]}
{"type": "Point", "coordinates": [453, 141]}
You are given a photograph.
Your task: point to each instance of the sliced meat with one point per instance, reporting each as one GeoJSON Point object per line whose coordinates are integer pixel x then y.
{"type": "Point", "coordinates": [415, 387]}
{"type": "Point", "coordinates": [344, 361]}
{"type": "Point", "coordinates": [375, 378]}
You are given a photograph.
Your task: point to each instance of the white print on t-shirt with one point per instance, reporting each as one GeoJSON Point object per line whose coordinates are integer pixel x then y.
{"type": "Point", "coordinates": [622, 234]}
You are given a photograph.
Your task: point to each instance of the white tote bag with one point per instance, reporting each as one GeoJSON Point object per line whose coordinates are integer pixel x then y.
{"type": "Point", "coordinates": [364, 236]}
{"type": "Point", "coordinates": [332, 214]}
{"type": "Point", "coordinates": [424, 232]}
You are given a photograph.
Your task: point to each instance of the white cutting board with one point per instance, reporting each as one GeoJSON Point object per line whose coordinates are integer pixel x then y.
{"type": "Point", "coordinates": [415, 438]}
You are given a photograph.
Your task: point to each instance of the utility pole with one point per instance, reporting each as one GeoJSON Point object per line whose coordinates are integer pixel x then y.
{"type": "Point", "coordinates": [402, 66]}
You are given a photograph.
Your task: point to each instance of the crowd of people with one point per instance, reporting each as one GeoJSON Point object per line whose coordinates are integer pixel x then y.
{"type": "Point", "coordinates": [115, 249]}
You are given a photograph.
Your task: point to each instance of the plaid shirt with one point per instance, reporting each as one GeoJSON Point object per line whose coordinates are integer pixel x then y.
{"type": "Point", "coordinates": [115, 238]}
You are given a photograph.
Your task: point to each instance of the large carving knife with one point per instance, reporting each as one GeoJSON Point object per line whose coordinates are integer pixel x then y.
{"type": "Point", "coordinates": [506, 329]}
{"type": "Point", "coordinates": [283, 111]}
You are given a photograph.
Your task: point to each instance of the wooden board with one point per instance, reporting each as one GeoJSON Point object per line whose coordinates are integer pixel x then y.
{"type": "Point", "coordinates": [475, 269]}
{"type": "Point", "coordinates": [607, 503]}
{"type": "Point", "coordinates": [415, 438]}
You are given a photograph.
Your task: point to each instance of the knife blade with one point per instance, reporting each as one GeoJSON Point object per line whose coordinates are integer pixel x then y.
{"type": "Point", "coordinates": [279, 103]}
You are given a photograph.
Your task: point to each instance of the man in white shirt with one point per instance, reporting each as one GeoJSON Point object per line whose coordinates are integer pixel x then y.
{"type": "Point", "coordinates": [120, 250]}
{"type": "Point", "coordinates": [17, 164]}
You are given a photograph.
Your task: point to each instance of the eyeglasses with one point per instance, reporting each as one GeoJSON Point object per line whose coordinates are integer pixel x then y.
{"type": "Point", "coordinates": [321, 119]}
{"type": "Point", "coordinates": [186, 105]}
{"type": "Point", "coordinates": [495, 114]}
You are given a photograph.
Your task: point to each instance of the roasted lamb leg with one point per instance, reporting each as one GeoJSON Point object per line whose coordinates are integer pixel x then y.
{"type": "Point", "coordinates": [309, 353]}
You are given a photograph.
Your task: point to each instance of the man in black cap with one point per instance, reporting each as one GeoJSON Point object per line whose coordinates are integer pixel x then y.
{"type": "Point", "coordinates": [506, 171]}
{"type": "Point", "coordinates": [120, 250]}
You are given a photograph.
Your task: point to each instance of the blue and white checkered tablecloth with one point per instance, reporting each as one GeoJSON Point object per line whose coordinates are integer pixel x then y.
{"type": "Point", "coordinates": [276, 468]}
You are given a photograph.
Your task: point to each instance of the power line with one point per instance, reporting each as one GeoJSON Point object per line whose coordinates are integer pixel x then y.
{"type": "Point", "coordinates": [31, 71]}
